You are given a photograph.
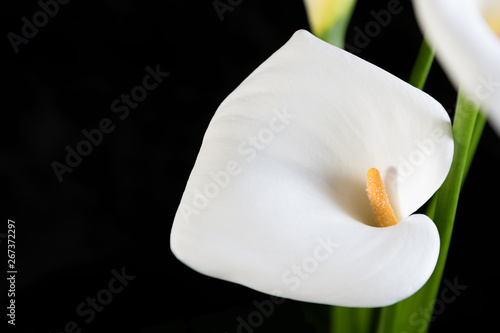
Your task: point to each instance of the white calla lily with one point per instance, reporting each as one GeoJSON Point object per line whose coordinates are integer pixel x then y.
{"type": "Point", "coordinates": [466, 37]}
{"type": "Point", "coordinates": [277, 198]}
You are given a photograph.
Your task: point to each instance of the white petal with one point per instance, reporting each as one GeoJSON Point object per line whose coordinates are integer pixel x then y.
{"type": "Point", "coordinates": [466, 46]}
{"type": "Point", "coordinates": [282, 170]}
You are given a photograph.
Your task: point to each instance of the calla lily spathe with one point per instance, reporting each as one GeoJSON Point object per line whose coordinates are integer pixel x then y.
{"type": "Point", "coordinates": [466, 37]}
{"type": "Point", "coordinates": [277, 198]}
{"type": "Point", "coordinates": [329, 18]}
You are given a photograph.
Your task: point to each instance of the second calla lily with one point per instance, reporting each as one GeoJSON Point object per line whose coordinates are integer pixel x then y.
{"type": "Point", "coordinates": [277, 199]}
{"type": "Point", "coordinates": [466, 36]}
{"type": "Point", "coordinates": [329, 18]}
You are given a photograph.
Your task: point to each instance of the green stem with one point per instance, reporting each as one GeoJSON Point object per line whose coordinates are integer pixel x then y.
{"type": "Point", "coordinates": [422, 66]}
{"type": "Point", "coordinates": [355, 320]}
{"type": "Point", "coordinates": [476, 137]}
{"type": "Point", "coordinates": [431, 206]}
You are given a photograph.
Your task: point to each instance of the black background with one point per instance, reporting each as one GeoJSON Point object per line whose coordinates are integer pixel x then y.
{"type": "Point", "coordinates": [116, 208]}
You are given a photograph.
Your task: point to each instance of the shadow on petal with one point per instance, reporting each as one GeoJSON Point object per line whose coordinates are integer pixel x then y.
{"type": "Point", "coordinates": [349, 194]}
{"type": "Point", "coordinates": [391, 181]}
